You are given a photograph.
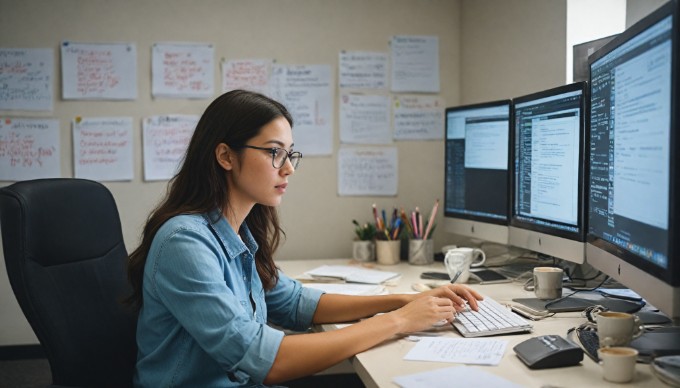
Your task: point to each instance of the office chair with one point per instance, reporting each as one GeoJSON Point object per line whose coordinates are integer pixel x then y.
{"type": "Point", "coordinates": [65, 259]}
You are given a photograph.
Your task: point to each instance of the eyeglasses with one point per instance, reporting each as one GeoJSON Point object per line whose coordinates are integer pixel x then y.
{"type": "Point", "coordinates": [279, 156]}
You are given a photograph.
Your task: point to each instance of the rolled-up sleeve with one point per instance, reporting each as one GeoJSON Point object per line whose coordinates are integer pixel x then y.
{"type": "Point", "coordinates": [188, 276]}
{"type": "Point", "coordinates": [290, 305]}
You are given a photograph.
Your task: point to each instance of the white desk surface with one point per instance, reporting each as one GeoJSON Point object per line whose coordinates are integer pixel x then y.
{"type": "Point", "coordinates": [377, 366]}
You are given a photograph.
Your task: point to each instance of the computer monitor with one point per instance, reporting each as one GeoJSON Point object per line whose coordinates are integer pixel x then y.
{"type": "Point", "coordinates": [634, 212]}
{"type": "Point", "coordinates": [547, 179]}
{"type": "Point", "coordinates": [476, 173]}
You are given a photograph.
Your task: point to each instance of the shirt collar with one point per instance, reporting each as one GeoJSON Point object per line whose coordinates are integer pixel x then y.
{"type": "Point", "coordinates": [231, 241]}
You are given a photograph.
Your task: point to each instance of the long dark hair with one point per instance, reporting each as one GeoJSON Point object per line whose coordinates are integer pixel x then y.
{"type": "Point", "coordinates": [201, 185]}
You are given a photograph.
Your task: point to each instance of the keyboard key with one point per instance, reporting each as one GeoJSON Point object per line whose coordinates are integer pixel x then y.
{"type": "Point", "coordinates": [491, 319]}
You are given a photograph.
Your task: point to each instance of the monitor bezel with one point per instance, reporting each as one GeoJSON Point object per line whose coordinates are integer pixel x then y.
{"type": "Point", "coordinates": [474, 217]}
{"type": "Point", "coordinates": [578, 236]}
{"type": "Point", "coordinates": [670, 275]}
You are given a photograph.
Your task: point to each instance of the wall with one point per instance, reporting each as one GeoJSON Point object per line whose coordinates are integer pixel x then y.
{"type": "Point", "coordinates": [317, 221]}
{"type": "Point", "coordinates": [511, 48]}
{"type": "Point", "coordinates": [637, 9]}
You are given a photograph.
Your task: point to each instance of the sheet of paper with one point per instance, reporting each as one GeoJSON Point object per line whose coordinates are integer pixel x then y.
{"type": "Point", "coordinates": [102, 148]}
{"type": "Point", "coordinates": [365, 119]}
{"type": "Point", "coordinates": [248, 74]}
{"type": "Point", "coordinates": [347, 289]}
{"type": "Point", "coordinates": [415, 64]}
{"type": "Point", "coordinates": [482, 351]}
{"type": "Point", "coordinates": [459, 376]}
{"type": "Point", "coordinates": [29, 149]}
{"type": "Point", "coordinates": [99, 71]}
{"type": "Point", "coordinates": [26, 79]}
{"type": "Point", "coordinates": [363, 70]}
{"type": "Point", "coordinates": [352, 274]}
{"type": "Point", "coordinates": [165, 141]}
{"type": "Point", "coordinates": [418, 118]}
{"type": "Point", "coordinates": [183, 70]}
{"type": "Point", "coordinates": [368, 171]}
{"type": "Point", "coordinates": [305, 90]}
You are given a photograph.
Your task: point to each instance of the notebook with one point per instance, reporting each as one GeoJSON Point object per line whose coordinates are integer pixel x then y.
{"type": "Point", "coordinates": [351, 274]}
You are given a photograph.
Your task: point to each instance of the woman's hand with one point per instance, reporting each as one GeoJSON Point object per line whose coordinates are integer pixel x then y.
{"type": "Point", "coordinates": [423, 312]}
{"type": "Point", "coordinates": [457, 293]}
{"type": "Point", "coordinates": [433, 306]}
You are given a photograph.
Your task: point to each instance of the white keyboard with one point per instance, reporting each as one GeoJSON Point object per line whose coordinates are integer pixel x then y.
{"type": "Point", "coordinates": [491, 319]}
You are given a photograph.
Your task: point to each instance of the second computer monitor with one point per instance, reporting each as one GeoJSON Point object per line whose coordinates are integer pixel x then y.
{"type": "Point", "coordinates": [547, 179]}
{"type": "Point", "coordinates": [476, 172]}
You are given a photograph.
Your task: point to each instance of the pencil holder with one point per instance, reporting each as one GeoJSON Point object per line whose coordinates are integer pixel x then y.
{"type": "Point", "coordinates": [363, 251]}
{"type": "Point", "coordinates": [420, 252]}
{"type": "Point", "coordinates": [387, 251]}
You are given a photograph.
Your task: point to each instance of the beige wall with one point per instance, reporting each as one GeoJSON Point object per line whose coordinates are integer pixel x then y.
{"type": "Point", "coordinates": [637, 9]}
{"type": "Point", "coordinates": [511, 48]}
{"type": "Point", "coordinates": [317, 221]}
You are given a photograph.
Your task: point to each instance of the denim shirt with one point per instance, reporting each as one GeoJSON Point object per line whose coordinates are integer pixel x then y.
{"type": "Point", "coordinates": [197, 326]}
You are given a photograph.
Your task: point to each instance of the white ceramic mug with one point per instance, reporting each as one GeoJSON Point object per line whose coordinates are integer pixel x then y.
{"type": "Point", "coordinates": [548, 282]}
{"type": "Point", "coordinates": [618, 363]}
{"type": "Point", "coordinates": [617, 329]}
{"type": "Point", "coordinates": [460, 260]}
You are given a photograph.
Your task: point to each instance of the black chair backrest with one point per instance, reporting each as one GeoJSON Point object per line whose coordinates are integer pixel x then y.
{"type": "Point", "coordinates": [65, 259]}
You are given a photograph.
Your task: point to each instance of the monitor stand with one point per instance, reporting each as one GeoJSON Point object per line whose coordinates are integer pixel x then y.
{"type": "Point", "coordinates": [580, 272]}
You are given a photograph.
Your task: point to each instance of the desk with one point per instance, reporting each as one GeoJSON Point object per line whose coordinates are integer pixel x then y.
{"type": "Point", "coordinates": [377, 366]}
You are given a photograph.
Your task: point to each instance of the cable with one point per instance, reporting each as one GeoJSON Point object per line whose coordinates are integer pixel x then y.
{"type": "Point", "coordinates": [585, 289]}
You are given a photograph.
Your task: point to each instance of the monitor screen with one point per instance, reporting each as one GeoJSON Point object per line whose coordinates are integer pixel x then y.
{"type": "Point", "coordinates": [633, 156]}
{"type": "Point", "coordinates": [476, 172]}
{"type": "Point", "coordinates": [548, 171]}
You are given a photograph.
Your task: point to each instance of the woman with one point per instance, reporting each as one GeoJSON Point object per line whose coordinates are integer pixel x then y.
{"type": "Point", "coordinates": [204, 276]}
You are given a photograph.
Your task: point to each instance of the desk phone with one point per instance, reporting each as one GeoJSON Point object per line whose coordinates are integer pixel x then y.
{"type": "Point", "coordinates": [548, 351]}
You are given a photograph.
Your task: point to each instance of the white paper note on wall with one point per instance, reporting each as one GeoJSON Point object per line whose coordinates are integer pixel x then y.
{"type": "Point", "coordinates": [363, 70]}
{"type": "Point", "coordinates": [102, 148]}
{"type": "Point", "coordinates": [99, 71]}
{"type": "Point", "coordinates": [368, 171]}
{"type": "Point", "coordinates": [26, 79]}
{"type": "Point", "coordinates": [418, 118]}
{"type": "Point", "coordinates": [183, 70]}
{"type": "Point", "coordinates": [165, 142]}
{"type": "Point", "coordinates": [305, 90]}
{"type": "Point", "coordinates": [248, 74]}
{"type": "Point", "coordinates": [365, 119]}
{"type": "Point", "coordinates": [29, 149]}
{"type": "Point", "coordinates": [415, 64]}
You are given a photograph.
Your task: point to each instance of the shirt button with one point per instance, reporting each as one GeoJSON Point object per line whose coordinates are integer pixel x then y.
{"type": "Point", "coordinates": [244, 278]}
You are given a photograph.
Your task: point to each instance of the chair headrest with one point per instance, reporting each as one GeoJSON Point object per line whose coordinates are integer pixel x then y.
{"type": "Point", "coordinates": [60, 220]}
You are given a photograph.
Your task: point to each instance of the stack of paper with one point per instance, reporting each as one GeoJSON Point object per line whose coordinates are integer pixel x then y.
{"type": "Point", "coordinates": [351, 274]}
{"type": "Point", "coordinates": [483, 351]}
{"type": "Point", "coordinates": [460, 376]}
{"type": "Point", "coordinates": [348, 289]}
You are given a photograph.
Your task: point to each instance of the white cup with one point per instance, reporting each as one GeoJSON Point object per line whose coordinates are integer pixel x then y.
{"type": "Point", "coordinates": [447, 248]}
{"type": "Point", "coordinates": [617, 329]}
{"type": "Point", "coordinates": [387, 251]}
{"type": "Point", "coordinates": [460, 260]}
{"type": "Point", "coordinates": [363, 250]}
{"type": "Point", "coordinates": [548, 282]}
{"type": "Point", "coordinates": [618, 363]}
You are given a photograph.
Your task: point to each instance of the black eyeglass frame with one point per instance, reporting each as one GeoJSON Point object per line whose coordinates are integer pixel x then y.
{"type": "Point", "coordinates": [274, 151]}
